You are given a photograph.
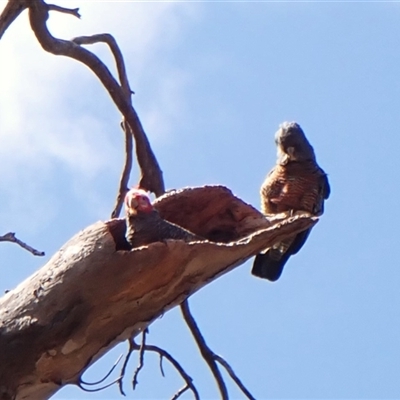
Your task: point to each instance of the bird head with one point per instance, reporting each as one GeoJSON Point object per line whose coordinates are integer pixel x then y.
{"type": "Point", "coordinates": [137, 201]}
{"type": "Point", "coordinates": [292, 144]}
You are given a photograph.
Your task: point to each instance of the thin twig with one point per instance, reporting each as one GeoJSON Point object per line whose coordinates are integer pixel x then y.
{"type": "Point", "coordinates": [141, 360]}
{"type": "Point", "coordinates": [98, 389]}
{"type": "Point", "coordinates": [161, 366]}
{"type": "Point", "coordinates": [124, 180]}
{"type": "Point", "coordinates": [72, 11]}
{"type": "Point", "coordinates": [234, 377]}
{"type": "Point", "coordinates": [10, 237]}
{"type": "Point", "coordinates": [180, 392]}
{"type": "Point", "coordinates": [81, 382]}
{"type": "Point", "coordinates": [205, 351]}
{"type": "Point", "coordinates": [105, 376]}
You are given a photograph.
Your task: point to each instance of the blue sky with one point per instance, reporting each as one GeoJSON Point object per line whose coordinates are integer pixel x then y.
{"type": "Point", "coordinates": [213, 81]}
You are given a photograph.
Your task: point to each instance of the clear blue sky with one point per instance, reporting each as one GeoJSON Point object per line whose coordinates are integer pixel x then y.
{"type": "Point", "coordinates": [213, 81]}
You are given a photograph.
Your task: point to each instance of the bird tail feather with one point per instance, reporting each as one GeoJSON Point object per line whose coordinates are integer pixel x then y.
{"type": "Point", "coordinates": [268, 267]}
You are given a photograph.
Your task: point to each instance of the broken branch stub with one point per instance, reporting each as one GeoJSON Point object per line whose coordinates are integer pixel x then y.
{"type": "Point", "coordinates": [96, 292]}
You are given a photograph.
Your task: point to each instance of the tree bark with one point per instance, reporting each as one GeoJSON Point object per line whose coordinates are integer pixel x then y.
{"type": "Point", "coordinates": [96, 292]}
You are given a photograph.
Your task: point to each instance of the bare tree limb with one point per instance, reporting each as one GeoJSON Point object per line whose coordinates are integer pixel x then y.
{"type": "Point", "coordinates": [151, 174]}
{"type": "Point", "coordinates": [205, 351]}
{"type": "Point", "coordinates": [10, 13]}
{"type": "Point", "coordinates": [119, 58]}
{"type": "Point", "coordinates": [125, 87]}
{"type": "Point", "coordinates": [10, 237]}
{"type": "Point", "coordinates": [127, 91]}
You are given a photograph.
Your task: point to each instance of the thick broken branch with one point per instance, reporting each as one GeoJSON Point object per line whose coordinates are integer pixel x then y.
{"type": "Point", "coordinates": [92, 294]}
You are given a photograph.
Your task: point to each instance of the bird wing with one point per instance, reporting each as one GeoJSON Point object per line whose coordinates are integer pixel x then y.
{"type": "Point", "coordinates": [298, 242]}
{"type": "Point", "coordinates": [324, 191]}
{"type": "Point", "coordinates": [271, 190]}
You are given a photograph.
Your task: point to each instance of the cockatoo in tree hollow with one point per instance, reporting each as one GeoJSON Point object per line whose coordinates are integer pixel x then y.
{"type": "Point", "coordinates": [144, 224]}
{"type": "Point", "coordinates": [296, 183]}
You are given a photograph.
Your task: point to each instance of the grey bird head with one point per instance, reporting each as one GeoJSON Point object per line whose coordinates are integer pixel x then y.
{"type": "Point", "coordinates": [292, 144]}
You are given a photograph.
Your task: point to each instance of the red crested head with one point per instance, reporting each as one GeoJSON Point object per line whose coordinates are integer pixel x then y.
{"type": "Point", "coordinates": [137, 200]}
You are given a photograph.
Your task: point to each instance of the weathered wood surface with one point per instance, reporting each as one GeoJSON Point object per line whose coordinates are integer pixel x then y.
{"type": "Point", "coordinates": [96, 292]}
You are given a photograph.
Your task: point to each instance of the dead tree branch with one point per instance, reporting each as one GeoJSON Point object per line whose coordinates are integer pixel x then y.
{"type": "Point", "coordinates": [127, 91]}
{"type": "Point", "coordinates": [94, 293]}
{"type": "Point", "coordinates": [11, 11]}
{"type": "Point", "coordinates": [118, 57]}
{"type": "Point", "coordinates": [10, 237]}
{"type": "Point", "coordinates": [151, 174]}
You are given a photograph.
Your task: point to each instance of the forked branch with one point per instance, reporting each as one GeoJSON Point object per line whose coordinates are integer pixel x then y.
{"type": "Point", "coordinates": [142, 348]}
{"type": "Point", "coordinates": [151, 174]}
{"type": "Point", "coordinates": [126, 90]}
